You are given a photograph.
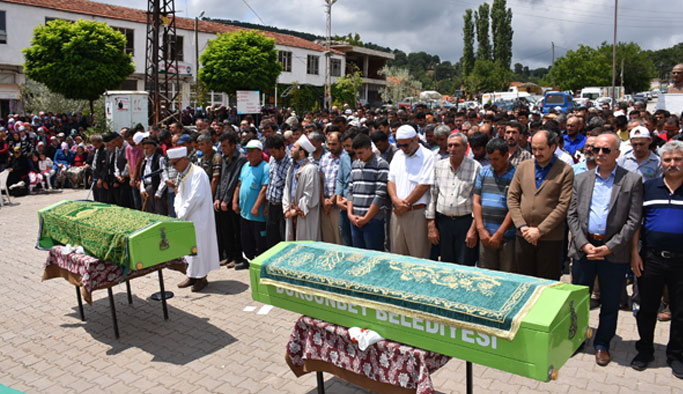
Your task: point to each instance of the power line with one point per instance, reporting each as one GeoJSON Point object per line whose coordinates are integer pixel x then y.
{"type": "Point", "coordinates": [254, 11]}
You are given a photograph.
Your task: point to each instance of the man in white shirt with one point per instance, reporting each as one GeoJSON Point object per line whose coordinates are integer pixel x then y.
{"type": "Point", "coordinates": [411, 173]}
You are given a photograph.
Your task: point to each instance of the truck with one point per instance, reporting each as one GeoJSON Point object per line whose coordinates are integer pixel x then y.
{"type": "Point", "coordinates": [592, 93]}
{"type": "Point", "coordinates": [490, 98]}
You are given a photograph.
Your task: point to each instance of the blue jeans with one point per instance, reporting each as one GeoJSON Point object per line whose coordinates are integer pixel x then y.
{"type": "Point", "coordinates": [611, 278]}
{"type": "Point", "coordinates": [345, 225]}
{"type": "Point", "coordinates": [171, 201]}
{"type": "Point", "coordinates": [370, 236]}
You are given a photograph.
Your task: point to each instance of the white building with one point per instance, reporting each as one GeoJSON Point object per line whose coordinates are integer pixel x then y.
{"type": "Point", "coordinates": [303, 61]}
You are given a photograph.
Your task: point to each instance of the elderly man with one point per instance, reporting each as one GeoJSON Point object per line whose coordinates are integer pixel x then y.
{"type": "Point", "coordinates": [490, 208]}
{"type": "Point", "coordinates": [641, 160]}
{"type": "Point", "coordinates": [538, 200]}
{"type": "Point", "coordinates": [231, 164]}
{"type": "Point", "coordinates": [588, 163]}
{"type": "Point", "coordinates": [676, 79]}
{"type": "Point", "coordinates": [411, 174]}
{"type": "Point", "coordinates": [604, 214]}
{"type": "Point", "coordinates": [449, 213]}
{"type": "Point", "coordinates": [441, 133]}
{"type": "Point", "coordinates": [301, 196]}
{"type": "Point", "coordinates": [193, 203]}
{"type": "Point", "coordinates": [329, 168]}
{"type": "Point", "coordinates": [660, 263]}
{"type": "Point", "coordinates": [249, 200]}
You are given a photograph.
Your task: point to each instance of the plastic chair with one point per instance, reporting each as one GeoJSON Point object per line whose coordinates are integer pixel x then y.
{"type": "Point", "coordinates": [3, 186]}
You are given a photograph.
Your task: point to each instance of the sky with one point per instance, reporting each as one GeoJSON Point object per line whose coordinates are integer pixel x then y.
{"type": "Point", "coordinates": [435, 26]}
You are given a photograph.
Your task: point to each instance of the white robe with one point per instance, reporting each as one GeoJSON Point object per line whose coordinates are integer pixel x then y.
{"type": "Point", "coordinates": [307, 198]}
{"type": "Point", "coordinates": [193, 202]}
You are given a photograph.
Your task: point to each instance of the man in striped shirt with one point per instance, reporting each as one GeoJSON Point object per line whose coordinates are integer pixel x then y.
{"type": "Point", "coordinates": [493, 221]}
{"type": "Point", "coordinates": [367, 195]}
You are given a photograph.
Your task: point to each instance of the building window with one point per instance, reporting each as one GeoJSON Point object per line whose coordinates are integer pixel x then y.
{"type": "Point", "coordinates": [285, 58]}
{"type": "Point", "coordinates": [3, 28]}
{"type": "Point", "coordinates": [335, 67]}
{"type": "Point", "coordinates": [130, 39]}
{"type": "Point", "coordinates": [312, 64]}
{"type": "Point", "coordinates": [171, 51]}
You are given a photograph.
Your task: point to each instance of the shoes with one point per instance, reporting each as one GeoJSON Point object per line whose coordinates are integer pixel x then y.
{"type": "Point", "coordinates": [199, 284]}
{"type": "Point", "coordinates": [187, 283]}
{"type": "Point", "coordinates": [242, 265]}
{"type": "Point", "coordinates": [664, 316]}
{"type": "Point", "coordinates": [230, 264]}
{"type": "Point", "coordinates": [602, 357]}
{"type": "Point", "coordinates": [640, 362]}
{"type": "Point", "coordinates": [676, 368]}
{"type": "Point", "coordinates": [223, 263]}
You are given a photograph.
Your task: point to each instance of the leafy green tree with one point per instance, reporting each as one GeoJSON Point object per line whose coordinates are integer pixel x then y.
{"type": "Point", "coordinates": [588, 66]}
{"type": "Point", "coordinates": [37, 97]}
{"type": "Point", "coordinates": [243, 60]}
{"type": "Point", "coordinates": [79, 60]}
{"type": "Point", "coordinates": [487, 76]}
{"type": "Point", "coordinates": [665, 59]}
{"type": "Point", "coordinates": [400, 84]}
{"type": "Point", "coordinates": [481, 21]}
{"type": "Point", "coordinates": [468, 38]}
{"type": "Point", "coordinates": [345, 89]}
{"type": "Point", "coordinates": [501, 29]}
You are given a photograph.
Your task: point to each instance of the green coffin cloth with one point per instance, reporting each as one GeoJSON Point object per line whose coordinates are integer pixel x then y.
{"type": "Point", "coordinates": [490, 302]}
{"type": "Point", "coordinates": [101, 229]}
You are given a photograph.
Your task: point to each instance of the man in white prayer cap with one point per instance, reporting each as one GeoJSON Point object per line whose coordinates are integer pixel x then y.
{"type": "Point", "coordinates": [194, 202]}
{"type": "Point", "coordinates": [301, 195]}
{"type": "Point", "coordinates": [411, 173]}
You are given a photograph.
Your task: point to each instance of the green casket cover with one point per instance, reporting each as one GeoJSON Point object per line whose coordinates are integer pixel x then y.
{"type": "Point", "coordinates": [126, 237]}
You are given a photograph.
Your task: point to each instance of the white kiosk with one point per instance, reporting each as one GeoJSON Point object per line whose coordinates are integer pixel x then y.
{"type": "Point", "coordinates": [126, 108]}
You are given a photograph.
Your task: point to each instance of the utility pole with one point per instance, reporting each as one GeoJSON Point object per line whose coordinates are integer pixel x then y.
{"type": "Point", "coordinates": [622, 77]}
{"type": "Point", "coordinates": [614, 52]}
{"type": "Point", "coordinates": [196, 47]}
{"type": "Point", "coordinates": [553, 47]}
{"type": "Point", "coordinates": [328, 79]}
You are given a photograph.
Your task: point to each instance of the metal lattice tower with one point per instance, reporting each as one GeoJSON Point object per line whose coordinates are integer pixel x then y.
{"type": "Point", "coordinates": [161, 64]}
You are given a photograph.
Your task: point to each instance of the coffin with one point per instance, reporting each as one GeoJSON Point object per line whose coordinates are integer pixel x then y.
{"type": "Point", "coordinates": [129, 238]}
{"type": "Point", "coordinates": [519, 324]}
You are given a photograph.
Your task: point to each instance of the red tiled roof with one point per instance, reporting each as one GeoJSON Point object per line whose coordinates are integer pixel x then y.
{"type": "Point", "coordinates": [86, 7]}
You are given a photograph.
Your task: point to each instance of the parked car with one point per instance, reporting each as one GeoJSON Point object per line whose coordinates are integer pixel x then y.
{"type": "Point", "coordinates": [639, 97]}
{"type": "Point", "coordinates": [563, 100]}
{"type": "Point", "coordinates": [603, 100]}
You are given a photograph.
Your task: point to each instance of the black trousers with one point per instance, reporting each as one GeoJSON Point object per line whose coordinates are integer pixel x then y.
{"type": "Point", "coordinates": [230, 247]}
{"type": "Point", "coordinates": [121, 194]}
{"type": "Point", "coordinates": [659, 271]}
{"type": "Point", "coordinates": [275, 225]}
{"type": "Point", "coordinates": [452, 234]}
{"type": "Point", "coordinates": [541, 261]}
{"type": "Point", "coordinates": [253, 237]}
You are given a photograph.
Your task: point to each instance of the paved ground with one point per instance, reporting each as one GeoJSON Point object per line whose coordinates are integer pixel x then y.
{"type": "Point", "coordinates": [210, 344]}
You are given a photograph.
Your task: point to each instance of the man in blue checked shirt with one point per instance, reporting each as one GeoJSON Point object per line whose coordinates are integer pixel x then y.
{"type": "Point", "coordinates": [329, 167]}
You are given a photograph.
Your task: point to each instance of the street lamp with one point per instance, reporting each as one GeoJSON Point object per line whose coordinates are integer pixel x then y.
{"type": "Point", "coordinates": [196, 46]}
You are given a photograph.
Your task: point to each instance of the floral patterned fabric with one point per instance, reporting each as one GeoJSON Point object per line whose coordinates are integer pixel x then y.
{"type": "Point", "coordinates": [385, 362]}
{"type": "Point", "coordinates": [91, 273]}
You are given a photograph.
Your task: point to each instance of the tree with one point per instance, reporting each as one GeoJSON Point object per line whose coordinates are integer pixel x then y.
{"type": "Point", "coordinates": [501, 28]}
{"type": "Point", "coordinates": [345, 89]}
{"type": "Point", "coordinates": [37, 97]}
{"type": "Point", "coordinates": [487, 76]}
{"type": "Point", "coordinates": [468, 38]}
{"type": "Point", "coordinates": [481, 21]}
{"type": "Point", "coordinates": [400, 84]}
{"type": "Point", "coordinates": [243, 60]}
{"type": "Point", "coordinates": [665, 59]}
{"type": "Point", "coordinates": [79, 60]}
{"type": "Point", "coordinates": [588, 66]}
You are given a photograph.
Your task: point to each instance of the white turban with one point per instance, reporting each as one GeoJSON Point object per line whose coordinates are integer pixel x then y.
{"type": "Point", "coordinates": [306, 144]}
{"type": "Point", "coordinates": [177, 153]}
{"type": "Point", "coordinates": [405, 132]}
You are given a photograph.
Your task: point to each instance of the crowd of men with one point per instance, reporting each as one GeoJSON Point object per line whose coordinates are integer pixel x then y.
{"type": "Point", "coordinates": [513, 191]}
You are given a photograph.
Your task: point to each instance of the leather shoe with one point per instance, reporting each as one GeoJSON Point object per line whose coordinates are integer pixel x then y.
{"type": "Point", "coordinates": [242, 265]}
{"type": "Point", "coordinates": [664, 316]}
{"type": "Point", "coordinates": [199, 285]}
{"type": "Point", "coordinates": [223, 262]}
{"type": "Point", "coordinates": [640, 362]}
{"type": "Point", "coordinates": [230, 264]}
{"type": "Point", "coordinates": [187, 283]}
{"type": "Point", "coordinates": [602, 357]}
{"type": "Point", "coordinates": [676, 368]}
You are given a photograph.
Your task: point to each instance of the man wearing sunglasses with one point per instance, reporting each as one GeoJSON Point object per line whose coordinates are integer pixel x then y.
{"type": "Point", "coordinates": [603, 215]}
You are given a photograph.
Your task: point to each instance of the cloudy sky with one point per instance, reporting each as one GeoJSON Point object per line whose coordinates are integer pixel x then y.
{"type": "Point", "coordinates": [435, 26]}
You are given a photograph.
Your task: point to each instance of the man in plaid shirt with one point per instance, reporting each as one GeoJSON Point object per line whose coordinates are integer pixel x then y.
{"type": "Point", "coordinates": [329, 167]}
{"type": "Point", "coordinates": [279, 163]}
